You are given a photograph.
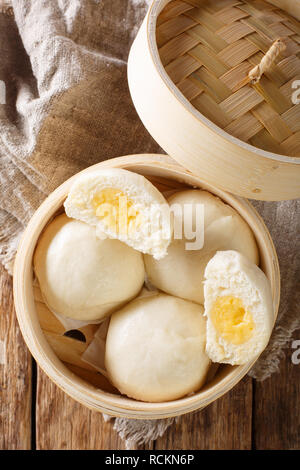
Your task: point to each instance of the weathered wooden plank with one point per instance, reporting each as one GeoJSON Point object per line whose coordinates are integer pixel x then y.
{"type": "Point", "coordinates": [225, 424]}
{"type": "Point", "coordinates": [276, 410]}
{"type": "Point", "coordinates": [15, 375]}
{"type": "Point", "coordinates": [62, 423]}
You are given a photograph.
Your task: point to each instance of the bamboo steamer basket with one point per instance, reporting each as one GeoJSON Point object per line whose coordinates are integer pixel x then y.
{"type": "Point", "coordinates": [59, 356]}
{"type": "Point", "coordinates": [188, 76]}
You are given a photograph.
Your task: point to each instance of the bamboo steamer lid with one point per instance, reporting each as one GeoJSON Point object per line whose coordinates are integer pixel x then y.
{"type": "Point", "coordinates": [189, 74]}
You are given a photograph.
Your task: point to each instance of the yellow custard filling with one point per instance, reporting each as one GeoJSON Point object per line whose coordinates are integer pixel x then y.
{"type": "Point", "coordinates": [117, 211]}
{"type": "Point", "coordinates": [231, 320]}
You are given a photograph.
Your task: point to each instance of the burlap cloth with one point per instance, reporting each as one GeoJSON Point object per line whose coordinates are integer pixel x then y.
{"type": "Point", "coordinates": [63, 63]}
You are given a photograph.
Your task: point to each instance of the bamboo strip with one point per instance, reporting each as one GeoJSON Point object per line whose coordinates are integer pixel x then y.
{"type": "Point", "coordinates": [172, 10]}
{"type": "Point", "coordinates": [235, 31]}
{"type": "Point", "coordinates": [269, 16]}
{"type": "Point", "coordinates": [241, 102]}
{"type": "Point", "coordinates": [209, 59]}
{"type": "Point", "coordinates": [261, 43]}
{"type": "Point", "coordinates": [291, 47]}
{"type": "Point", "coordinates": [296, 38]}
{"type": "Point", "coordinates": [260, 5]}
{"type": "Point", "coordinates": [215, 6]}
{"type": "Point", "coordinates": [272, 95]}
{"type": "Point", "coordinates": [182, 67]}
{"type": "Point", "coordinates": [189, 89]}
{"type": "Point", "coordinates": [206, 105]}
{"type": "Point", "coordinates": [211, 84]}
{"type": "Point", "coordinates": [272, 122]}
{"type": "Point", "coordinates": [281, 30]}
{"type": "Point", "coordinates": [244, 127]}
{"type": "Point", "coordinates": [261, 28]}
{"type": "Point", "coordinates": [292, 118]}
{"type": "Point", "coordinates": [255, 8]}
{"type": "Point", "coordinates": [230, 15]}
{"type": "Point", "coordinates": [237, 52]}
{"type": "Point", "coordinates": [290, 66]}
{"type": "Point", "coordinates": [265, 141]}
{"type": "Point", "coordinates": [235, 77]}
{"type": "Point", "coordinates": [205, 18]}
{"type": "Point", "coordinates": [177, 47]}
{"type": "Point", "coordinates": [292, 145]}
{"type": "Point", "coordinates": [207, 37]}
{"type": "Point", "coordinates": [172, 28]}
{"type": "Point", "coordinates": [293, 25]}
{"type": "Point", "coordinates": [194, 3]}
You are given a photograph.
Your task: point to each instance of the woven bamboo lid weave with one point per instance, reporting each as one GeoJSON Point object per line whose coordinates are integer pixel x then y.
{"type": "Point", "coordinates": [191, 74]}
{"type": "Point", "coordinates": [208, 48]}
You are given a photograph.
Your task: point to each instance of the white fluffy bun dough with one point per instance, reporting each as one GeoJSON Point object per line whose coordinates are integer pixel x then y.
{"type": "Point", "coordinates": [155, 348]}
{"type": "Point", "coordinates": [181, 272]}
{"type": "Point", "coordinates": [81, 276]}
{"type": "Point", "coordinates": [142, 222]}
{"type": "Point", "coordinates": [239, 308]}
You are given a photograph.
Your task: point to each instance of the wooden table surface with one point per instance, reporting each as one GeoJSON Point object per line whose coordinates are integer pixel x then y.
{"type": "Point", "coordinates": [35, 414]}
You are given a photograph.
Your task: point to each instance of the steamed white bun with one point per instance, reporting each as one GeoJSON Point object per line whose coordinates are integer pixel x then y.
{"type": "Point", "coordinates": [239, 308]}
{"type": "Point", "coordinates": [155, 348]}
{"type": "Point", "coordinates": [122, 205]}
{"type": "Point", "coordinates": [81, 276]}
{"type": "Point", "coordinates": [181, 272]}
